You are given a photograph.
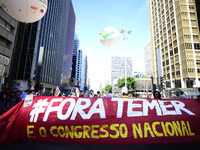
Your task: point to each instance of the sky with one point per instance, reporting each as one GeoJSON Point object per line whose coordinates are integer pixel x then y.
{"type": "Point", "coordinates": [94, 16]}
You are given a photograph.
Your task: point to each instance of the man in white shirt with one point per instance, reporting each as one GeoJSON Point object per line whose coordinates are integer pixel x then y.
{"type": "Point", "coordinates": [182, 95]}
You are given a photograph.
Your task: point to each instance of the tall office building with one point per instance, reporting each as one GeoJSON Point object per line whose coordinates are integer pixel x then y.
{"type": "Point", "coordinates": [74, 57]}
{"type": "Point", "coordinates": [8, 28]}
{"type": "Point", "coordinates": [148, 60]}
{"type": "Point", "coordinates": [175, 35]}
{"type": "Point", "coordinates": [55, 33]}
{"type": "Point", "coordinates": [81, 68]}
{"type": "Point", "coordinates": [118, 67]}
{"type": "Point", "coordinates": [70, 21]}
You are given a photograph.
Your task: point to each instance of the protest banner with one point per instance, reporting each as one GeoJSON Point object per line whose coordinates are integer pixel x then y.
{"type": "Point", "coordinates": [99, 120]}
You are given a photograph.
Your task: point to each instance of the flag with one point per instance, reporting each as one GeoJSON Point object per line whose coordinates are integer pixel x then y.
{"type": "Point", "coordinates": [57, 92]}
{"type": "Point", "coordinates": [77, 92]}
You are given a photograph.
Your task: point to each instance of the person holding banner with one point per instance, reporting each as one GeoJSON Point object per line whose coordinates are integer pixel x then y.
{"type": "Point", "coordinates": [156, 95]}
{"type": "Point", "coordinates": [198, 96]}
{"type": "Point", "coordinates": [32, 92]}
{"type": "Point", "coordinates": [125, 94]}
{"type": "Point", "coordinates": [24, 94]}
{"type": "Point", "coordinates": [182, 95]}
{"type": "Point", "coordinates": [109, 94]}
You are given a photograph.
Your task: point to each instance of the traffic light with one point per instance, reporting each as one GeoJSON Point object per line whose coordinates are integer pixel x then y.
{"type": "Point", "coordinates": [162, 82]}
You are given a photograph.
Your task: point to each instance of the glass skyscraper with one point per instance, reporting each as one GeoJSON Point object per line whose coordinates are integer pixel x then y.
{"type": "Point", "coordinates": [55, 32]}
{"type": "Point", "coordinates": [74, 58]}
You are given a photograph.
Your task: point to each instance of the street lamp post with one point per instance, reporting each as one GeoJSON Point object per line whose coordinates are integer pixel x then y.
{"type": "Point", "coordinates": [125, 32]}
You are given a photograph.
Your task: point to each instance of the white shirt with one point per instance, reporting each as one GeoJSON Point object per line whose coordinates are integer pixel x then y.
{"type": "Point", "coordinates": [183, 97]}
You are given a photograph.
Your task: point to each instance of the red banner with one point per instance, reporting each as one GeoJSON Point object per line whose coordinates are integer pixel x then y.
{"type": "Point", "coordinates": [101, 121]}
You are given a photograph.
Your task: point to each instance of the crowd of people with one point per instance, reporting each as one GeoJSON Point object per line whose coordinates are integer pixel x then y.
{"type": "Point", "coordinates": [184, 96]}
{"type": "Point", "coordinates": [6, 96]}
{"type": "Point", "coordinates": [155, 95]}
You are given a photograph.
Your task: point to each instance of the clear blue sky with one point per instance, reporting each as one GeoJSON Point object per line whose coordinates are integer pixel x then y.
{"type": "Point", "coordinates": [95, 15]}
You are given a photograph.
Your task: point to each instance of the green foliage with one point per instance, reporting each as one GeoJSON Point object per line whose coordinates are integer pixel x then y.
{"type": "Point", "coordinates": [144, 77]}
{"type": "Point", "coordinates": [129, 80]}
{"type": "Point", "coordinates": [130, 95]}
{"type": "Point", "coordinates": [121, 82]}
{"type": "Point", "coordinates": [108, 87]}
{"type": "Point", "coordinates": [103, 90]}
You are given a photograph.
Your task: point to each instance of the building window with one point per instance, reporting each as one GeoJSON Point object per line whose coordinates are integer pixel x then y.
{"type": "Point", "coordinates": [196, 46]}
{"type": "Point", "coordinates": [5, 25]}
{"type": "Point", "coordinates": [4, 42]}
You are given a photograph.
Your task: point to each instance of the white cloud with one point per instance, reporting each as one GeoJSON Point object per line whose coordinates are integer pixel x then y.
{"type": "Point", "coordinates": [145, 7]}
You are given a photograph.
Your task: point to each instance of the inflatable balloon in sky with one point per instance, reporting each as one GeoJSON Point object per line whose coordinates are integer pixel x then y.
{"type": "Point", "coordinates": [26, 11]}
{"type": "Point", "coordinates": [109, 36]}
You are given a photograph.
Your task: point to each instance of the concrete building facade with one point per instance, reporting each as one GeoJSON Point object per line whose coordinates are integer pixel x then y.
{"type": "Point", "coordinates": [175, 34]}
{"type": "Point", "coordinates": [118, 67]}
{"type": "Point", "coordinates": [8, 29]}
{"type": "Point", "coordinates": [148, 60]}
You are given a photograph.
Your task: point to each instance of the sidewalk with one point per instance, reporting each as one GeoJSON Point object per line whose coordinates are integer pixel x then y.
{"type": "Point", "coordinates": [3, 107]}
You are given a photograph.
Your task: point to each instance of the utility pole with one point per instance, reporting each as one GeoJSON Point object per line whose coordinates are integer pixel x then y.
{"type": "Point", "coordinates": [125, 32]}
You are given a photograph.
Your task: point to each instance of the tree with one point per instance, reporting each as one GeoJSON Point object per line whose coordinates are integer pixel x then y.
{"type": "Point", "coordinates": [144, 77]}
{"type": "Point", "coordinates": [102, 90]}
{"type": "Point", "coordinates": [130, 82]}
{"type": "Point", "coordinates": [121, 82]}
{"type": "Point", "coordinates": [108, 87]}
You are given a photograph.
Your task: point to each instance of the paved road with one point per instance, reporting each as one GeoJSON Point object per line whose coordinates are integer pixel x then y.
{"type": "Point", "coordinates": [70, 146]}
